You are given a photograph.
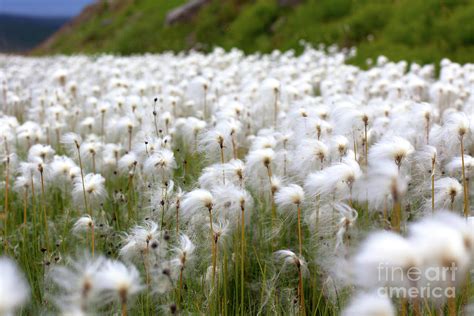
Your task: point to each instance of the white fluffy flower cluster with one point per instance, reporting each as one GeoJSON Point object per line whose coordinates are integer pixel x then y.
{"type": "Point", "coordinates": [200, 145]}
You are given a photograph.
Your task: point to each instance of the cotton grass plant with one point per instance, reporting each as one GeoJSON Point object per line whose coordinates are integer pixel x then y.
{"type": "Point", "coordinates": [229, 184]}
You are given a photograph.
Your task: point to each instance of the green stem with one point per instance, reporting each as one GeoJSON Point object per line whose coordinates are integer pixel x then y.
{"type": "Point", "coordinates": [7, 180]}
{"type": "Point", "coordinates": [300, 238]}
{"type": "Point", "coordinates": [242, 257]}
{"type": "Point", "coordinates": [82, 178]}
{"type": "Point", "coordinates": [464, 182]}
{"type": "Point", "coordinates": [45, 215]}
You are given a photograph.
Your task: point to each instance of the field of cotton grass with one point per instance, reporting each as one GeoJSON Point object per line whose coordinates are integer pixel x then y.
{"type": "Point", "coordinates": [225, 184]}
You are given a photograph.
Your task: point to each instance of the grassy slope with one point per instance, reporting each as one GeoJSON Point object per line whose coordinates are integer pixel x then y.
{"type": "Point", "coordinates": [417, 30]}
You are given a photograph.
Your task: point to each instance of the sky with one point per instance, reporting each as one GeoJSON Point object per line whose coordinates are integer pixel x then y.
{"type": "Point", "coordinates": [64, 8]}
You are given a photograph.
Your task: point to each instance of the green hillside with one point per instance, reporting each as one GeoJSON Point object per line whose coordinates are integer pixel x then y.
{"type": "Point", "coordinates": [417, 30]}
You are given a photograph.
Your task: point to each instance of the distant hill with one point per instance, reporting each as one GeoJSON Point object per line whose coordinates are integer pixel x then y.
{"type": "Point", "coordinates": [416, 30]}
{"type": "Point", "coordinates": [21, 33]}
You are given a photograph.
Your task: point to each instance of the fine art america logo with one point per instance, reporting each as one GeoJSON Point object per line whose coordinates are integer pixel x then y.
{"type": "Point", "coordinates": [429, 282]}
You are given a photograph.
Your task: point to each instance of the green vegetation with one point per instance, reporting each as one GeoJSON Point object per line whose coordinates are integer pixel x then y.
{"type": "Point", "coordinates": [36, 257]}
{"type": "Point", "coordinates": [418, 30]}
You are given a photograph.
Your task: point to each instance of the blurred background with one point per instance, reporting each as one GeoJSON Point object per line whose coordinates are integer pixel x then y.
{"type": "Point", "coordinates": [423, 31]}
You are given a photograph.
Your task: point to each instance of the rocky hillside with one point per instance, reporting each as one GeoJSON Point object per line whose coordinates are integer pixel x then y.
{"type": "Point", "coordinates": [417, 30]}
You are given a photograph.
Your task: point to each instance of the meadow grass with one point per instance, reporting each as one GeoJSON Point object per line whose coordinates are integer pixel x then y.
{"type": "Point", "coordinates": [336, 172]}
{"type": "Point", "coordinates": [28, 246]}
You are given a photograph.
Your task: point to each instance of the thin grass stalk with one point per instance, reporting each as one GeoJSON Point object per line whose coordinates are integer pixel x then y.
{"type": "Point", "coordinates": [130, 196]}
{"type": "Point", "coordinates": [92, 239]}
{"type": "Point", "coordinates": [433, 185]}
{"type": "Point", "coordinates": [7, 182]}
{"type": "Point", "coordinates": [214, 263]}
{"type": "Point", "coordinates": [163, 202]}
{"type": "Point", "coordinates": [145, 264]}
{"type": "Point", "coordinates": [468, 206]}
{"type": "Point", "coordinates": [355, 145]}
{"type": "Point", "coordinates": [275, 108]}
{"type": "Point", "coordinates": [452, 310]}
{"type": "Point", "coordinates": [180, 286]}
{"type": "Point", "coordinates": [116, 214]}
{"type": "Point", "coordinates": [185, 169]}
{"type": "Point", "coordinates": [224, 273]}
{"type": "Point", "coordinates": [212, 247]}
{"type": "Point", "coordinates": [155, 124]}
{"type": "Point", "coordinates": [148, 279]}
{"type": "Point", "coordinates": [236, 283]}
{"type": "Point", "coordinates": [416, 307]}
{"type": "Point", "coordinates": [403, 307]}
{"type": "Point", "coordinates": [427, 129]}
{"type": "Point", "coordinates": [25, 205]}
{"type": "Point", "coordinates": [300, 238]}
{"type": "Point", "coordinates": [43, 202]}
{"type": "Point", "coordinates": [82, 178]}
{"type": "Point", "coordinates": [301, 290]}
{"type": "Point", "coordinates": [33, 200]}
{"type": "Point", "coordinates": [464, 182]}
{"type": "Point", "coordinates": [221, 145]}
{"type": "Point", "coordinates": [466, 290]}
{"type": "Point", "coordinates": [195, 142]}
{"type": "Point", "coordinates": [318, 202]}
{"type": "Point", "coordinates": [234, 145]}
{"type": "Point", "coordinates": [102, 124]}
{"type": "Point", "coordinates": [426, 305]}
{"type": "Point", "coordinates": [58, 139]}
{"type": "Point", "coordinates": [177, 216]}
{"type": "Point", "coordinates": [242, 259]}
{"type": "Point", "coordinates": [397, 210]}
{"type": "Point", "coordinates": [269, 173]}
{"type": "Point", "coordinates": [416, 304]}
{"type": "Point", "coordinates": [124, 306]}
{"type": "Point", "coordinates": [366, 140]}
{"type": "Point", "coordinates": [130, 133]}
